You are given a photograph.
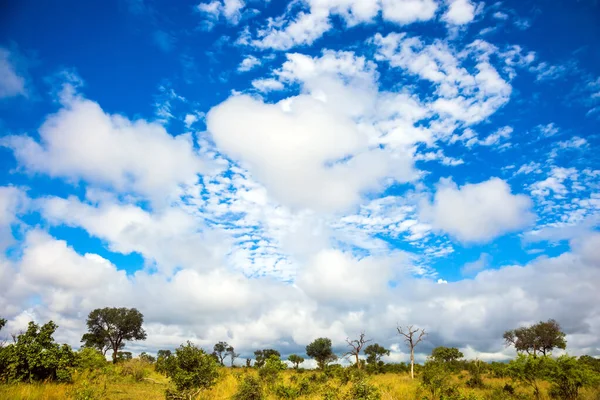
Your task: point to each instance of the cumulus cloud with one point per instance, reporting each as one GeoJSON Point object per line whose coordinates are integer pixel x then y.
{"type": "Point", "coordinates": [459, 12]}
{"type": "Point", "coordinates": [230, 10]}
{"type": "Point", "coordinates": [82, 142]}
{"type": "Point", "coordinates": [478, 212]}
{"type": "Point", "coordinates": [11, 82]}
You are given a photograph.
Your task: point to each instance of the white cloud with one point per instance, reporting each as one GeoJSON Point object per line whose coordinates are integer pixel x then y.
{"type": "Point", "coordinates": [267, 85]}
{"type": "Point", "coordinates": [231, 10]}
{"type": "Point", "coordinates": [82, 142]}
{"type": "Point", "coordinates": [459, 12]}
{"type": "Point", "coordinates": [314, 19]}
{"type": "Point", "coordinates": [479, 212]}
{"type": "Point", "coordinates": [476, 266]}
{"type": "Point", "coordinates": [248, 63]}
{"type": "Point", "coordinates": [11, 83]}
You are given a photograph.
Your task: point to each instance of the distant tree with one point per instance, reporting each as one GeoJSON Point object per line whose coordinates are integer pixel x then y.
{"type": "Point", "coordinates": [2, 323]}
{"type": "Point", "coordinates": [412, 341]}
{"type": "Point", "coordinates": [446, 354]}
{"type": "Point", "coordinates": [124, 356]}
{"type": "Point", "coordinates": [374, 352]}
{"type": "Point", "coordinates": [542, 338]}
{"type": "Point", "coordinates": [109, 328]}
{"type": "Point", "coordinates": [320, 350]}
{"type": "Point", "coordinates": [232, 354]}
{"type": "Point", "coordinates": [296, 360]}
{"type": "Point", "coordinates": [356, 346]}
{"type": "Point", "coordinates": [248, 362]}
{"type": "Point", "coordinates": [592, 362]}
{"type": "Point", "coordinates": [163, 358]}
{"type": "Point", "coordinates": [147, 357]}
{"type": "Point", "coordinates": [263, 355]}
{"type": "Point", "coordinates": [220, 350]}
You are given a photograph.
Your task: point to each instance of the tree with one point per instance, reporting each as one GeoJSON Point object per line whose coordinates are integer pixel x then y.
{"type": "Point", "coordinates": [248, 362]}
{"type": "Point", "coordinates": [446, 354]}
{"type": "Point", "coordinates": [232, 354]}
{"type": "Point", "coordinates": [296, 360]}
{"type": "Point", "coordinates": [147, 358]}
{"type": "Point", "coordinates": [220, 350]}
{"type": "Point", "coordinates": [568, 376]}
{"type": "Point", "coordinates": [2, 323]}
{"type": "Point", "coordinates": [263, 355]}
{"type": "Point", "coordinates": [191, 370]}
{"type": "Point", "coordinates": [412, 341]}
{"type": "Point", "coordinates": [529, 370]}
{"type": "Point", "coordinates": [374, 352]}
{"type": "Point", "coordinates": [109, 328]}
{"type": "Point", "coordinates": [163, 360]}
{"type": "Point", "coordinates": [356, 346]}
{"type": "Point", "coordinates": [35, 356]}
{"type": "Point", "coordinates": [320, 350]}
{"type": "Point", "coordinates": [542, 337]}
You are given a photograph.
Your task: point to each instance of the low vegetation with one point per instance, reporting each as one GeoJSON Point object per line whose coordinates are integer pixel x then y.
{"type": "Point", "coordinates": [34, 367]}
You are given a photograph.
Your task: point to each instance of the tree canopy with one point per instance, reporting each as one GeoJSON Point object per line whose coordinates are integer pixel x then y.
{"type": "Point", "coordinates": [320, 349]}
{"type": "Point", "coordinates": [263, 355]}
{"type": "Point", "coordinates": [296, 360]}
{"type": "Point", "coordinates": [374, 353]}
{"type": "Point", "coordinates": [109, 328]}
{"type": "Point", "coordinates": [446, 354]}
{"type": "Point", "coordinates": [542, 338]}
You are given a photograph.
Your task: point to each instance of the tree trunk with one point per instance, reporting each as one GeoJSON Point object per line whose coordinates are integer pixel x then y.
{"type": "Point", "coordinates": [412, 363]}
{"type": "Point", "coordinates": [357, 362]}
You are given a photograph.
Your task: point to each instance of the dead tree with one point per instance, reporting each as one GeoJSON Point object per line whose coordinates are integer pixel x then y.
{"type": "Point", "coordinates": [409, 338]}
{"type": "Point", "coordinates": [356, 346]}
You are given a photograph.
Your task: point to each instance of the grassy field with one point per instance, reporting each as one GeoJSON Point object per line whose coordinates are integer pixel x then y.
{"type": "Point", "coordinates": [153, 385]}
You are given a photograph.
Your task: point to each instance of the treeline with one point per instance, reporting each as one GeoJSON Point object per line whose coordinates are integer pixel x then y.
{"type": "Point", "coordinates": [34, 356]}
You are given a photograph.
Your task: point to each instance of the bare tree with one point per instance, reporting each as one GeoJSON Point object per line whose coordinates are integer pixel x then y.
{"type": "Point", "coordinates": [412, 341]}
{"type": "Point", "coordinates": [356, 346]}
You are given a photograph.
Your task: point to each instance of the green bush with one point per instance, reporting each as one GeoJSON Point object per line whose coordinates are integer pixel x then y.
{"type": "Point", "coordinates": [568, 376]}
{"type": "Point", "coordinates": [269, 372]}
{"type": "Point", "coordinates": [249, 389]}
{"type": "Point", "coordinates": [36, 357]}
{"type": "Point", "coordinates": [435, 379]}
{"type": "Point", "coordinates": [136, 369]}
{"type": "Point", "coordinates": [362, 390]}
{"type": "Point", "coordinates": [89, 359]}
{"type": "Point", "coordinates": [191, 370]}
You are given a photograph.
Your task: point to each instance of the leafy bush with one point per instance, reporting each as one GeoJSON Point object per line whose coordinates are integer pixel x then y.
{"type": "Point", "coordinates": [191, 370]}
{"type": "Point", "coordinates": [89, 359]}
{"type": "Point", "coordinates": [529, 370]}
{"type": "Point", "coordinates": [568, 376]}
{"type": "Point", "coordinates": [435, 378]}
{"type": "Point", "coordinates": [249, 389]}
{"type": "Point", "coordinates": [36, 357]}
{"type": "Point", "coordinates": [269, 372]}
{"type": "Point", "coordinates": [136, 369]}
{"type": "Point", "coordinates": [362, 390]}
{"type": "Point", "coordinates": [475, 380]}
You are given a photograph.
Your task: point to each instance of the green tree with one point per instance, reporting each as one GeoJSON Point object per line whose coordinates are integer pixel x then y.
{"type": "Point", "coordinates": [320, 349]}
{"type": "Point", "coordinates": [191, 370]}
{"type": "Point", "coordinates": [374, 353]}
{"type": "Point", "coordinates": [568, 376]}
{"type": "Point", "coordinates": [232, 354]}
{"type": "Point", "coordinates": [147, 358]}
{"type": "Point", "coordinates": [542, 338]}
{"type": "Point", "coordinates": [2, 323]}
{"type": "Point", "coordinates": [436, 378]}
{"type": "Point", "coordinates": [163, 359]}
{"type": "Point", "coordinates": [270, 371]}
{"type": "Point", "coordinates": [109, 328]}
{"type": "Point", "coordinates": [296, 360]}
{"type": "Point", "coordinates": [89, 359]}
{"type": "Point", "coordinates": [35, 356]}
{"type": "Point", "coordinates": [446, 354]}
{"type": "Point", "coordinates": [529, 370]}
{"type": "Point", "coordinates": [263, 355]}
{"type": "Point", "coordinates": [591, 362]}
{"type": "Point", "coordinates": [220, 350]}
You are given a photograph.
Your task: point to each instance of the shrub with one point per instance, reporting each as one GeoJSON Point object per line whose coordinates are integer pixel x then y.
{"type": "Point", "coordinates": [136, 369]}
{"type": "Point", "coordinates": [269, 372]}
{"type": "Point", "coordinates": [475, 380]}
{"type": "Point", "coordinates": [191, 370]}
{"type": "Point", "coordinates": [89, 359]}
{"type": "Point", "coordinates": [435, 378]}
{"type": "Point", "coordinates": [568, 376]}
{"type": "Point", "coordinates": [529, 370]}
{"type": "Point", "coordinates": [362, 390]}
{"type": "Point", "coordinates": [249, 389]}
{"type": "Point", "coordinates": [36, 357]}
{"type": "Point", "coordinates": [285, 392]}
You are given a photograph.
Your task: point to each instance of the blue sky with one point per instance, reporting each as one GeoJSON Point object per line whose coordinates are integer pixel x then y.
{"type": "Point", "coordinates": [363, 162]}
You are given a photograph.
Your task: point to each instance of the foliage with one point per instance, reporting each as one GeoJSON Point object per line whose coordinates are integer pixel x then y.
{"type": "Point", "coordinates": [2, 323]}
{"type": "Point", "coordinates": [249, 389]}
{"type": "Point", "coordinates": [135, 368]}
{"type": "Point", "coordinates": [568, 376]}
{"type": "Point", "coordinates": [89, 359]}
{"type": "Point", "coordinates": [220, 350]}
{"type": "Point", "coordinates": [35, 356]}
{"type": "Point", "coordinates": [362, 390]}
{"type": "Point", "coordinates": [109, 328]}
{"type": "Point", "coordinates": [163, 359]}
{"type": "Point", "coordinates": [374, 352]}
{"type": "Point", "coordinates": [436, 378]}
{"type": "Point", "coordinates": [529, 370]}
{"type": "Point", "coordinates": [270, 371]}
{"type": "Point", "coordinates": [542, 337]}
{"type": "Point", "coordinates": [262, 355]}
{"type": "Point", "coordinates": [475, 369]}
{"type": "Point", "coordinates": [147, 358]}
{"type": "Point", "coordinates": [446, 354]}
{"type": "Point", "coordinates": [191, 370]}
{"type": "Point", "coordinates": [296, 360]}
{"type": "Point", "coordinates": [320, 349]}
{"type": "Point", "coordinates": [591, 362]}
{"type": "Point", "coordinates": [124, 356]}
